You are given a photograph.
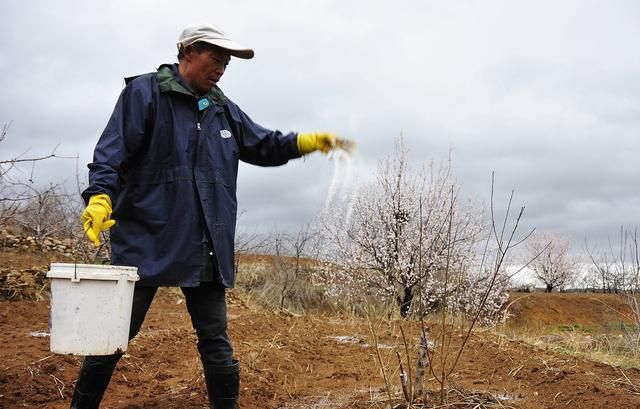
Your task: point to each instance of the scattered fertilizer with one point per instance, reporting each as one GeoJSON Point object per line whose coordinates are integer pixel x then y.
{"type": "Point", "coordinates": [340, 195]}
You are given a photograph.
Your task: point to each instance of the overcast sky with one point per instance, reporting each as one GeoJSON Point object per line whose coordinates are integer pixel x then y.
{"type": "Point", "coordinates": [546, 94]}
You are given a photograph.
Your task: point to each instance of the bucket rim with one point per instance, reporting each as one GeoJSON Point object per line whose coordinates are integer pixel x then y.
{"type": "Point", "coordinates": [77, 272]}
{"type": "Point", "coordinates": [95, 266]}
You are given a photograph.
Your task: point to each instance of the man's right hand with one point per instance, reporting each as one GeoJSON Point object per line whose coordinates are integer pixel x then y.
{"type": "Point", "coordinates": [96, 217]}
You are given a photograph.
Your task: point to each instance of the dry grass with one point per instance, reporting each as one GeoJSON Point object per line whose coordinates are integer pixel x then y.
{"type": "Point", "coordinates": [592, 326]}
{"type": "Point", "coordinates": [266, 285]}
{"type": "Point", "coordinates": [616, 350]}
{"type": "Point", "coordinates": [456, 396]}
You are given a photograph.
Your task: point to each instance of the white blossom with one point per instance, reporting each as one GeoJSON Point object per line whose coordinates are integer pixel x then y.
{"type": "Point", "coordinates": [407, 231]}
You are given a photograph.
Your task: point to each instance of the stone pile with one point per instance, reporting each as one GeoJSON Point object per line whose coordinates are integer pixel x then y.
{"type": "Point", "coordinates": [20, 249]}
{"type": "Point", "coordinates": [25, 284]}
{"type": "Point", "coordinates": [29, 243]}
{"type": "Point", "coordinates": [31, 283]}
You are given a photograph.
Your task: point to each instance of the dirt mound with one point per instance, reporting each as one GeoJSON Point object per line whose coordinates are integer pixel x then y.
{"type": "Point", "coordinates": [587, 311]}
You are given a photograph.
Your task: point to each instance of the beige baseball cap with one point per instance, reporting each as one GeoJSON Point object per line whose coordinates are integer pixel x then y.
{"type": "Point", "coordinates": [213, 35]}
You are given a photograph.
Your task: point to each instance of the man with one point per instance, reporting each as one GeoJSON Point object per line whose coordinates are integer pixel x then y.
{"type": "Point", "coordinates": [167, 161]}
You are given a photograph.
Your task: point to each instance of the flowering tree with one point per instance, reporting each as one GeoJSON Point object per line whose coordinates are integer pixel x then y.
{"type": "Point", "coordinates": [552, 264]}
{"type": "Point", "coordinates": [406, 235]}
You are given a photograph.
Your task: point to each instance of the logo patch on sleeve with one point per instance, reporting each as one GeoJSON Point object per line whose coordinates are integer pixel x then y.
{"type": "Point", "coordinates": [225, 134]}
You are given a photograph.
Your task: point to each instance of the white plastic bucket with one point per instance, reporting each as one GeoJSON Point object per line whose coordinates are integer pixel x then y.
{"type": "Point", "coordinates": [90, 308]}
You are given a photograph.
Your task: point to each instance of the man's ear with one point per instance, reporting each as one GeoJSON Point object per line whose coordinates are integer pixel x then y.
{"type": "Point", "coordinates": [188, 51]}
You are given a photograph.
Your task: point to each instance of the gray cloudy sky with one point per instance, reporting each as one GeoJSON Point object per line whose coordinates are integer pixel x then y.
{"type": "Point", "coordinates": [544, 93]}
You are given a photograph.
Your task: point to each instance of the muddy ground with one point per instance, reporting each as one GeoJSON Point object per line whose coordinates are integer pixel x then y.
{"type": "Point", "coordinates": [290, 361]}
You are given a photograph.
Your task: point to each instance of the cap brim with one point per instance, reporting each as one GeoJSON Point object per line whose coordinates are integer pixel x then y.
{"type": "Point", "coordinates": [232, 47]}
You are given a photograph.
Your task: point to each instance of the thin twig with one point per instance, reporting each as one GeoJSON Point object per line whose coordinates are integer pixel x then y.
{"type": "Point", "coordinates": [374, 335]}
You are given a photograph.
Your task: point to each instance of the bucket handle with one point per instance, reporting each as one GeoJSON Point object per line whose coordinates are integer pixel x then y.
{"type": "Point", "coordinates": [78, 243]}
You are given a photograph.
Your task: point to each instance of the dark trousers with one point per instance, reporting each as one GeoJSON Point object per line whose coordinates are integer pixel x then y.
{"type": "Point", "coordinates": [208, 309]}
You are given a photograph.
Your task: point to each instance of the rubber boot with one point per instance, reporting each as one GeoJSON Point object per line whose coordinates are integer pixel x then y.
{"type": "Point", "coordinates": [223, 385]}
{"type": "Point", "coordinates": [93, 380]}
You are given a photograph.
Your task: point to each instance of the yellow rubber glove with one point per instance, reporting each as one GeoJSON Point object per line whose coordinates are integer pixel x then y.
{"type": "Point", "coordinates": [96, 217]}
{"type": "Point", "coordinates": [322, 141]}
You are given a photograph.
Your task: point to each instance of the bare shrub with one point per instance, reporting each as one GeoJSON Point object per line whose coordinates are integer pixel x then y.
{"type": "Point", "coordinates": [246, 243]}
{"type": "Point", "coordinates": [47, 214]}
{"type": "Point", "coordinates": [623, 271]}
{"type": "Point", "coordinates": [283, 279]}
{"type": "Point", "coordinates": [14, 191]}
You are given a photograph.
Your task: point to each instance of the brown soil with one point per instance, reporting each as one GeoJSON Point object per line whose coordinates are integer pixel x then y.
{"type": "Point", "coordinates": [24, 260]}
{"type": "Point", "coordinates": [288, 361]}
{"type": "Point", "coordinates": [537, 311]}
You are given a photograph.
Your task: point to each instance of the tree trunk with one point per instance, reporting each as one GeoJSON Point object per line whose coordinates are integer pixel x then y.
{"type": "Point", "coordinates": [404, 301]}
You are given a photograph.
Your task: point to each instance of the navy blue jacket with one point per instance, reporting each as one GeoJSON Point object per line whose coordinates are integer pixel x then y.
{"type": "Point", "coordinates": [169, 163]}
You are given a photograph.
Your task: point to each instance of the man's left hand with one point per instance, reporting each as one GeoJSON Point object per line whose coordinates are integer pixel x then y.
{"type": "Point", "coordinates": [322, 141]}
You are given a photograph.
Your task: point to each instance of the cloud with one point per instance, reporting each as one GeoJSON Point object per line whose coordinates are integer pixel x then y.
{"type": "Point", "coordinates": [544, 94]}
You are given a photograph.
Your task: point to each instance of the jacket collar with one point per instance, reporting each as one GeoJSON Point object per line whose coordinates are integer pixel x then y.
{"type": "Point", "coordinates": [170, 80]}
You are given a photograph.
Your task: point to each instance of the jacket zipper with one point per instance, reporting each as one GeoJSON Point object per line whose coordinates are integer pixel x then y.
{"type": "Point", "coordinates": [198, 117]}
{"type": "Point", "coordinates": [208, 237]}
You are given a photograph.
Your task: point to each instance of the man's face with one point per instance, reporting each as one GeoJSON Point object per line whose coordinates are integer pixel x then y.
{"type": "Point", "coordinates": [204, 69]}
